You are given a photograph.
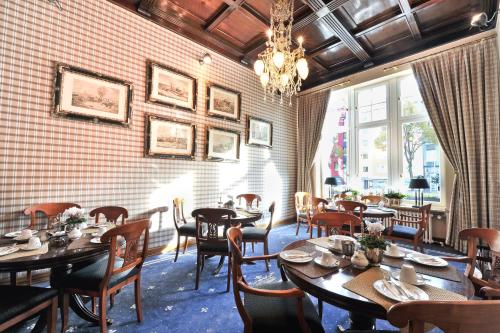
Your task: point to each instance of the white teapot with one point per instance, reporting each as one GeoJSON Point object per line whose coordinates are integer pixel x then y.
{"type": "Point", "coordinates": [359, 259]}
{"type": "Point", "coordinates": [75, 233]}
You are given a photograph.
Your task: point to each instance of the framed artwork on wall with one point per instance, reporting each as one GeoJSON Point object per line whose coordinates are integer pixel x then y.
{"type": "Point", "coordinates": [259, 132]}
{"type": "Point", "coordinates": [222, 145]}
{"type": "Point", "coordinates": [85, 95]}
{"type": "Point", "coordinates": [223, 103]}
{"type": "Point", "coordinates": [169, 138]}
{"type": "Point", "coordinates": [170, 87]}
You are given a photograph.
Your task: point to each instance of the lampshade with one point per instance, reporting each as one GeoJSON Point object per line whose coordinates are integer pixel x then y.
{"type": "Point", "coordinates": [417, 183]}
{"type": "Point", "coordinates": [334, 181]}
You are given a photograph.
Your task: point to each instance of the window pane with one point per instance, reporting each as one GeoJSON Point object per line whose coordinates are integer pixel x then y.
{"type": "Point", "coordinates": [372, 104]}
{"type": "Point", "coordinates": [373, 164]}
{"type": "Point", "coordinates": [410, 99]}
{"type": "Point", "coordinates": [421, 157]}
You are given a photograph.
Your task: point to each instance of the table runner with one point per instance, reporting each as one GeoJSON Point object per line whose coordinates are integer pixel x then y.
{"type": "Point", "coordinates": [20, 253]}
{"type": "Point", "coordinates": [81, 242]}
{"type": "Point", "coordinates": [322, 242]}
{"type": "Point", "coordinates": [363, 286]}
{"type": "Point", "coordinates": [447, 273]}
{"type": "Point", "coordinates": [91, 230]}
{"type": "Point", "coordinates": [311, 269]}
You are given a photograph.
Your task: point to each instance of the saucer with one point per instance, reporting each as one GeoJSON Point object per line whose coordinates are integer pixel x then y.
{"type": "Point", "coordinates": [334, 264]}
{"type": "Point", "coordinates": [25, 247]}
{"type": "Point", "coordinates": [420, 279]}
{"type": "Point", "coordinates": [16, 234]}
{"type": "Point", "coordinates": [400, 255]}
{"type": "Point", "coordinates": [96, 240]}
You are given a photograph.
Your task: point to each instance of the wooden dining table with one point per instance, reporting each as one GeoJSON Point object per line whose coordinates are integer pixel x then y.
{"type": "Point", "coordinates": [363, 311]}
{"type": "Point", "coordinates": [371, 212]}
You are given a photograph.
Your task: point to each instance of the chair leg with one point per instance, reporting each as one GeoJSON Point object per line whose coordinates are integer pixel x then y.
{"type": "Point", "coordinates": [298, 225]}
{"type": "Point", "coordinates": [253, 247]}
{"type": "Point", "coordinates": [111, 300]}
{"type": "Point", "coordinates": [94, 305]}
{"type": "Point", "coordinates": [244, 245]}
{"type": "Point", "coordinates": [198, 264]}
{"type": "Point", "coordinates": [29, 277]}
{"type": "Point", "coordinates": [52, 316]}
{"type": "Point", "coordinates": [177, 249]}
{"type": "Point", "coordinates": [138, 303]}
{"type": "Point", "coordinates": [103, 325]}
{"type": "Point", "coordinates": [13, 279]}
{"type": "Point", "coordinates": [229, 260]}
{"type": "Point", "coordinates": [320, 309]}
{"type": "Point", "coordinates": [185, 244]}
{"type": "Point", "coordinates": [64, 299]}
{"type": "Point", "coordinates": [266, 252]}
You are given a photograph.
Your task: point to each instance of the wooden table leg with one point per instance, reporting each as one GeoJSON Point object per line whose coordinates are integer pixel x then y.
{"type": "Point", "coordinates": [358, 322]}
{"type": "Point", "coordinates": [77, 304]}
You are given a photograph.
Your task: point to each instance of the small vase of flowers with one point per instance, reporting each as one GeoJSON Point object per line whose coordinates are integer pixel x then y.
{"type": "Point", "coordinates": [373, 242]}
{"type": "Point", "coordinates": [74, 217]}
{"type": "Point", "coordinates": [394, 197]}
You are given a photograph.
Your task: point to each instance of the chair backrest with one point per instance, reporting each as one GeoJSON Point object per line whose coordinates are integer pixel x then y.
{"type": "Point", "coordinates": [271, 211]}
{"type": "Point", "coordinates": [373, 199]}
{"type": "Point", "coordinates": [340, 196]}
{"type": "Point", "coordinates": [302, 202]}
{"type": "Point", "coordinates": [451, 317]}
{"type": "Point", "coordinates": [111, 213]}
{"type": "Point", "coordinates": [335, 220]}
{"type": "Point", "coordinates": [132, 257]}
{"type": "Point", "coordinates": [213, 218]}
{"type": "Point", "coordinates": [249, 199]}
{"type": "Point", "coordinates": [317, 205]}
{"type": "Point", "coordinates": [489, 237]}
{"type": "Point", "coordinates": [425, 216]}
{"type": "Point", "coordinates": [50, 210]}
{"type": "Point", "coordinates": [350, 207]}
{"type": "Point", "coordinates": [178, 212]}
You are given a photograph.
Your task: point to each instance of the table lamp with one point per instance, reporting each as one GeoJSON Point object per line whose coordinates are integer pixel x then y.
{"type": "Point", "coordinates": [333, 181]}
{"type": "Point", "coordinates": [419, 184]}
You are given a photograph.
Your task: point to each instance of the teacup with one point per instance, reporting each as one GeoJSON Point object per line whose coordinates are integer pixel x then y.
{"type": "Point", "coordinates": [408, 274]}
{"type": "Point", "coordinates": [327, 258]}
{"type": "Point", "coordinates": [26, 233]}
{"type": "Point", "coordinates": [393, 250]}
{"type": "Point", "coordinates": [34, 243]}
{"type": "Point", "coordinates": [337, 243]}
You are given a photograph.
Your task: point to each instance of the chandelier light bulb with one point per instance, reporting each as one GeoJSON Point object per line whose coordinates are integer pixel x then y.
{"type": "Point", "coordinates": [264, 79]}
{"type": "Point", "coordinates": [284, 79]}
{"type": "Point", "coordinates": [258, 67]}
{"type": "Point", "coordinates": [269, 33]}
{"type": "Point", "coordinates": [302, 68]}
{"type": "Point", "coordinates": [300, 39]}
{"type": "Point", "coordinates": [279, 59]}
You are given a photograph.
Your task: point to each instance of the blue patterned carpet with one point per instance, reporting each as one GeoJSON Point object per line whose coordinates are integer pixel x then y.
{"type": "Point", "coordinates": [170, 303]}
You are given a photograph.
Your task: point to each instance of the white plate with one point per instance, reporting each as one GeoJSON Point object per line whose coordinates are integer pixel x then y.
{"type": "Point", "coordinates": [420, 279]}
{"type": "Point", "coordinates": [8, 250]}
{"type": "Point", "coordinates": [25, 247]}
{"type": "Point", "coordinates": [418, 293]}
{"type": "Point", "coordinates": [427, 260]}
{"type": "Point", "coordinates": [96, 240]}
{"type": "Point", "coordinates": [18, 233]}
{"type": "Point", "coordinates": [319, 263]}
{"type": "Point", "coordinates": [296, 256]}
{"type": "Point", "coordinates": [400, 255]}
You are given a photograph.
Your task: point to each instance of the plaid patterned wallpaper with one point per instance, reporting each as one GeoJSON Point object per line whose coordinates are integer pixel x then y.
{"type": "Point", "coordinates": [47, 159]}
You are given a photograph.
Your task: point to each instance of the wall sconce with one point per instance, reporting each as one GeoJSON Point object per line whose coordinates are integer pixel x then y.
{"type": "Point", "coordinates": [206, 59]}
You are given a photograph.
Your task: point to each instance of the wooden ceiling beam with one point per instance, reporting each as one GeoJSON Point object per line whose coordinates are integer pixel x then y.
{"type": "Point", "coordinates": [252, 11]}
{"type": "Point", "coordinates": [223, 12]}
{"type": "Point", "coordinates": [410, 19]}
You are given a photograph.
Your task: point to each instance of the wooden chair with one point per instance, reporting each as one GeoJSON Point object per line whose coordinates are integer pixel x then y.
{"type": "Point", "coordinates": [318, 205]}
{"type": "Point", "coordinates": [340, 196]}
{"type": "Point", "coordinates": [372, 199]}
{"type": "Point", "coordinates": [51, 211]}
{"type": "Point", "coordinates": [352, 207]}
{"type": "Point", "coordinates": [489, 238]}
{"type": "Point", "coordinates": [259, 235]}
{"type": "Point", "coordinates": [302, 206]}
{"type": "Point", "coordinates": [335, 221]}
{"type": "Point", "coordinates": [184, 228]}
{"type": "Point", "coordinates": [249, 199]}
{"type": "Point", "coordinates": [277, 306]}
{"type": "Point", "coordinates": [451, 317]}
{"type": "Point", "coordinates": [111, 214]}
{"type": "Point", "coordinates": [111, 273]}
{"type": "Point", "coordinates": [415, 235]}
{"type": "Point", "coordinates": [18, 304]}
{"type": "Point", "coordinates": [211, 242]}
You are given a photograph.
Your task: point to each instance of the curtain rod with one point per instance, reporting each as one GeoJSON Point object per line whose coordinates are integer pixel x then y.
{"type": "Point", "coordinates": [348, 79]}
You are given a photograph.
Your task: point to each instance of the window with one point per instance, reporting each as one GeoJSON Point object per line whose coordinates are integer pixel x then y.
{"type": "Point", "coordinates": [379, 136]}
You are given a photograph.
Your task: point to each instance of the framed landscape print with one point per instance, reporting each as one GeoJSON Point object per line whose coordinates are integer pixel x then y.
{"type": "Point", "coordinates": [81, 94]}
{"type": "Point", "coordinates": [170, 87]}
{"type": "Point", "coordinates": [222, 145]}
{"type": "Point", "coordinates": [259, 132]}
{"type": "Point", "coordinates": [167, 138]}
{"type": "Point", "coordinates": [223, 103]}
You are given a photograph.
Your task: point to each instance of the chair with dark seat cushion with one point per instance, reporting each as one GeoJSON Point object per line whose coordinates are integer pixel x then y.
{"type": "Point", "coordinates": [259, 235]}
{"type": "Point", "coordinates": [184, 228]}
{"type": "Point", "coordinates": [318, 205]}
{"type": "Point", "coordinates": [210, 241]}
{"type": "Point", "coordinates": [18, 304]}
{"type": "Point", "coordinates": [411, 229]}
{"type": "Point", "coordinates": [111, 273]}
{"type": "Point", "coordinates": [273, 306]}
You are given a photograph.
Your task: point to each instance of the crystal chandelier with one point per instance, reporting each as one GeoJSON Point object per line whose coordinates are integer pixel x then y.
{"type": "Point", "coordinates": [280, 69]}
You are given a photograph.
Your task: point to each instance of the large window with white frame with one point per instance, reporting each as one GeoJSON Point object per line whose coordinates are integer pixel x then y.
{"type": "Point", "coordinates": [378, 136]}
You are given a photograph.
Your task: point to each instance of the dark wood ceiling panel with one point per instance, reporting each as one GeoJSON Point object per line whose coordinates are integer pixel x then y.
{"type": "Point", "coordinates": [341, 37]}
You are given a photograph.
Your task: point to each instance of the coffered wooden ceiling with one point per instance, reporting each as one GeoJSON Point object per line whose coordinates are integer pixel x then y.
{"type": "Point", "coordinates": [341, 37]}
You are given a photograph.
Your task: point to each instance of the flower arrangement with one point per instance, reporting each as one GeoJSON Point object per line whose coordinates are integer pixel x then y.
{"type": "Point", "coordinates": [395, 197]}
{"type": "Point", "coordinates": [230, 203]}
{"type": "Point", "coordinates": [74, 215]}
{"type": "Point", "coordinates": [374, 242]}
{"type": "Point", "coordinates": [351, 194]}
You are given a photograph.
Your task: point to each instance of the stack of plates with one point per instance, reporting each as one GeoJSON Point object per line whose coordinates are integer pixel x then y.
{"type": "Point", "coordinates": [8, 250]}
{"type": "Point", "coordinates": [296, 256]}
{"type": "Point", "coordinates": [427, 260]}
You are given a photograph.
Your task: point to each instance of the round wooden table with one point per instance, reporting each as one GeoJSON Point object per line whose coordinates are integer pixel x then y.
{"type": "Point", "coordinates": [57, 260]}
{"type": "Point", "coordinates": [362, 310]}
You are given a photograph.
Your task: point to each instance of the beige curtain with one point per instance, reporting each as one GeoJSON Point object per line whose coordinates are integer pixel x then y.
{"type": "Point", "coordinates": [311, 110]}
{"type": "Point", "coordinates": [460, 89]}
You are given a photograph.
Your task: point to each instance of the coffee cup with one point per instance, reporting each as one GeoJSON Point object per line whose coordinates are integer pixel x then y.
{"type": "Point", "coordinates": [408, 274]}
{"type": "Point", "coordinates": [34, 243]}
{"type": "Point", "coordinates": [26, 233]}
{"type": "Point", "coordinates": [337, 243]}
{"type": "Point", "coordinates": [327, 258]}
{"type": "Point", "coordinates": [393, 250]}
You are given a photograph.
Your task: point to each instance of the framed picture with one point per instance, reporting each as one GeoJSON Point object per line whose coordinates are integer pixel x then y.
{"type": "Point", "coordinates": [222, 145]}
{"type": "Point", "coordinates": [259, 132]}
{"type": "Point", "coordinates": [81, 94]}
{"type": "Point", "coordinates": [170, 87]}
{"type": "Point", "coordinates": [223, 103]}
{"type": "Point", "coordinates": [168, 138]}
